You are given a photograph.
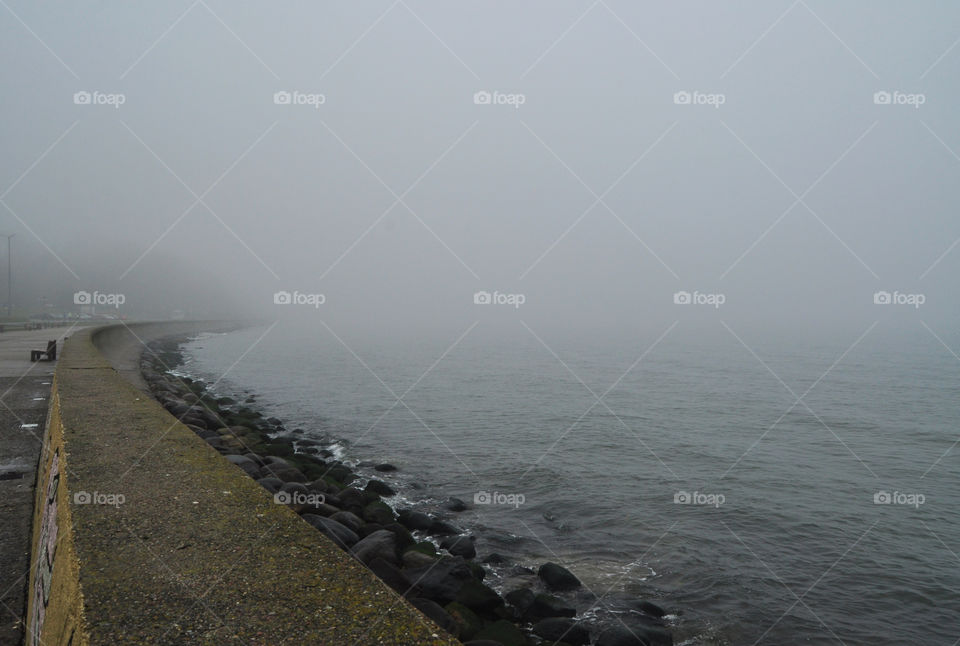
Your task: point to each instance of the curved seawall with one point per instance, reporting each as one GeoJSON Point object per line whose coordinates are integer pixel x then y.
{"type": "Point", "coordinates": [145, 534]}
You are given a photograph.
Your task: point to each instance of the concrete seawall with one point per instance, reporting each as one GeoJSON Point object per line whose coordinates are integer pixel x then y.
{"type": "Point", "coordinates": [143, 534]}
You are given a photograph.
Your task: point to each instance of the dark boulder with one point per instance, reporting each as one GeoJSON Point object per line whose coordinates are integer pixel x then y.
{"type": "Point", "coordinates": [502, 632]}
{"type": "Point", "coordinates": [380, 544]}
{"type": "Point", "coordinates": [521, 599]}
{"type": "Point", "coordinates": [439, 616]}
{"type": "Point", "coordinates": [455, 504]}
{"type": "Point", "coordinates": [651, 609]}
{"type": "Point", "coordinates": [547, 605]}
{"type": "Point", "coordinates": [378, 512]}
{"type": "Point", "coordinates": [271, 484]}
{"type": "Point", "coordinates": [352, 521]}
{"type": "Point", "coordinates": [380, 488]}
{"type": "Point", "coordinates": [460, 546]}
{"type": "Point", "coordinates": [385, 467]}
{"type": "Point", "coordinates": [478, 597]}
{"type": "Point", "coordinates": [443, 528]}
{"type": "Point", "coordinates": [635, 636]}
{"type": "Point", "coordinates": [414, 520]}
{"type": "Point", "coordinates": [557, 577]}
{"type": "Point", "coordinates": [442, 579]}
{"type": "Point", "coordinates": [338, 533]}
{"type": "Point", "coordinates": [561, 629]}
{"type": "Point", "coordinates": [249, 466]}
{"type": "Point", "coordinates": [467, 620]}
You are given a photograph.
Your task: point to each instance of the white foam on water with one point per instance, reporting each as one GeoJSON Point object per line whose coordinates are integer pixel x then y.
{"type": "Point", "coordinates": [29, 425]}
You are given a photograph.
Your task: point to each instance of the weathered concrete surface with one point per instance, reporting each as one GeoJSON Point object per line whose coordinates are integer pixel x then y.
{"type": "Point", "coordinates": [197, 552]}
{"type": "Point", "coordinates": [24, 393]}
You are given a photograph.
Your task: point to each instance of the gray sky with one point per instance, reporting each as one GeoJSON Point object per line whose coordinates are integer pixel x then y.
{"type": "Point", "coordinates": [796, 199]}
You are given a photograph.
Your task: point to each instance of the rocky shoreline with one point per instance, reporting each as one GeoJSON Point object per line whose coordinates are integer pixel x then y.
{"type": "Point", "coordinates": [426, 558]}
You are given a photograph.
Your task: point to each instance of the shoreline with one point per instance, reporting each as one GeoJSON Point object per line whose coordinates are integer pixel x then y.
{"type": "Point", "coordinates": [427, 558]}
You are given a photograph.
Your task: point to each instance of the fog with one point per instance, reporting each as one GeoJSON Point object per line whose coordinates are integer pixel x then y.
{"type": "Point", "coordinates": [629, 151]}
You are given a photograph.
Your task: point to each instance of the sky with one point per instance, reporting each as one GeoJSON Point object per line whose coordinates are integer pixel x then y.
{"type": "Point", "coordinates": [780, 162]}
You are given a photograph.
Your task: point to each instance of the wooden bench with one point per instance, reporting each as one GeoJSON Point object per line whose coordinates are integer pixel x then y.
{"type": "Point", "coordinates": [50, 354]}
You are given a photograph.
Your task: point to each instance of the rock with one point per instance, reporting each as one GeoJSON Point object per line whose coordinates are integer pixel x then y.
{"type": "Point", "coordinates": [478, 597]}
{"type": "Point", "coordinates": [414, 520]}
{"type": "Point", "coordinates": [651, 609]}
{"type": "Point", "coordinates": [318, 486]}
{"type": "Point", "coordinates": [561, 629]}
{"type": "Point", "coordinates": [443, 528]}
{"type": "Point", "coordinates": [557, 577]}
{"type": "Point", "coordinates": [352, 521]}
{"type": "Point", "coordinates": [294, 488]}
{"type": "Point", "coordinates": [339, 534]}
{"type": "Point", "coordinates": [390, 575]}
{"type": "Point", "coordinates": [378, 512]}
{"type": "Point", "coordinates": [381, 488]}
{"type": "Point", "coordinates": [503, 633]}
{"type": "Point", "coordinates": [415, 559]}
{"type": "Point", "coordinates": [440, 580]}
{"type": "Point", "coordinates": [547, 605]}
{"type": "Point", "coordinates": [635, 636]}
{"type": "Point", "coordinates": [455, 504]}
{"type": "Point", "coordinates": [404, 537]}
{"type": "Point", "coordinates": [495, 559]}
{"type": "Point", "coordinates": [385, 467]}
{"type": "Point", "coordinates": [320, 509]}
{"type": "Point", "coordinates": [271, 484]}
{"type": "Point", "coordinates": [437, 614]}
{"type": "Point", "coordinates": [521, 599]}
{"type": "Point", "coordinates": [467, 620]}
{"type": "Point", "coordinates": [459, 546]}
{"type": "Point", "coordinates": [249, 466]}
{"type": "Point", "coordinates": [380, 544]}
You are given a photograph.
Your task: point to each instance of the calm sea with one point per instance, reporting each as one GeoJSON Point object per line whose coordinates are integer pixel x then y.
{"type": "Point", "coordinates": [771, 493]}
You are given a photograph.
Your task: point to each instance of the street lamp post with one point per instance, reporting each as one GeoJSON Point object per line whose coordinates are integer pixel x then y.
{"type": "Point", "coordinates": [9, 277]}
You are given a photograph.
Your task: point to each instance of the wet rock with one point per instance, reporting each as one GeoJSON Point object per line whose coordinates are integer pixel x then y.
{"type": "Point", "coordinates": [651, 609]}
{"type": "Point", "coordinates": [557, 577]}
{"type": "Point", "coordinates": [478, 597]}
{"type": "Point", "coordinates": [338, 533]}
{"type": "Point", "coordinates": [443, 528]}
{"type": "Point", "coordinates": [547, 605]}
{"type": "Point", "coordinates": [414, 520]}
{"type": "Point", "coordinates": [635, 636]}
{"type": "Point", "coordinates": [385, 467]}
{"type": "Point", "coordinates": [468, 622]}
{"type": "Point", "coordinates": [271, 484]}
{"type": "Point", "coordinates": [442, 579]}
{"type": "Point", "coordinates": [521, 599]}
{"type": "Point", "coordinates": [460, 546]}
{"type": "Point", "coordinates": [502, 632]}
{"type": "Point", "coordinates": [378, 512]}
{"type": "Point", "coordinates": [380, 488]}
{"type": "Point", "coordinates": [249, 466]}
{"type": "Point", "coordinates": [381, 544]}
{"type": "Point", "coordinates": [439, 616]}
{"type": "Point", "coordinates": [455, 504]}
{"type": "Point", "coordinates": [495, 559]}
{"type": "Point", "coordinates": [557, 629]}
{"type": "Point", "coordinates": [349, 520]}
{"type": "Point", "coordinates": [415, 559]}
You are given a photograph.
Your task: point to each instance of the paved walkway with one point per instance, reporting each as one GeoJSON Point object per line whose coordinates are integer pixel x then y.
{"type": "Point", "coordinates": [24, 392]}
